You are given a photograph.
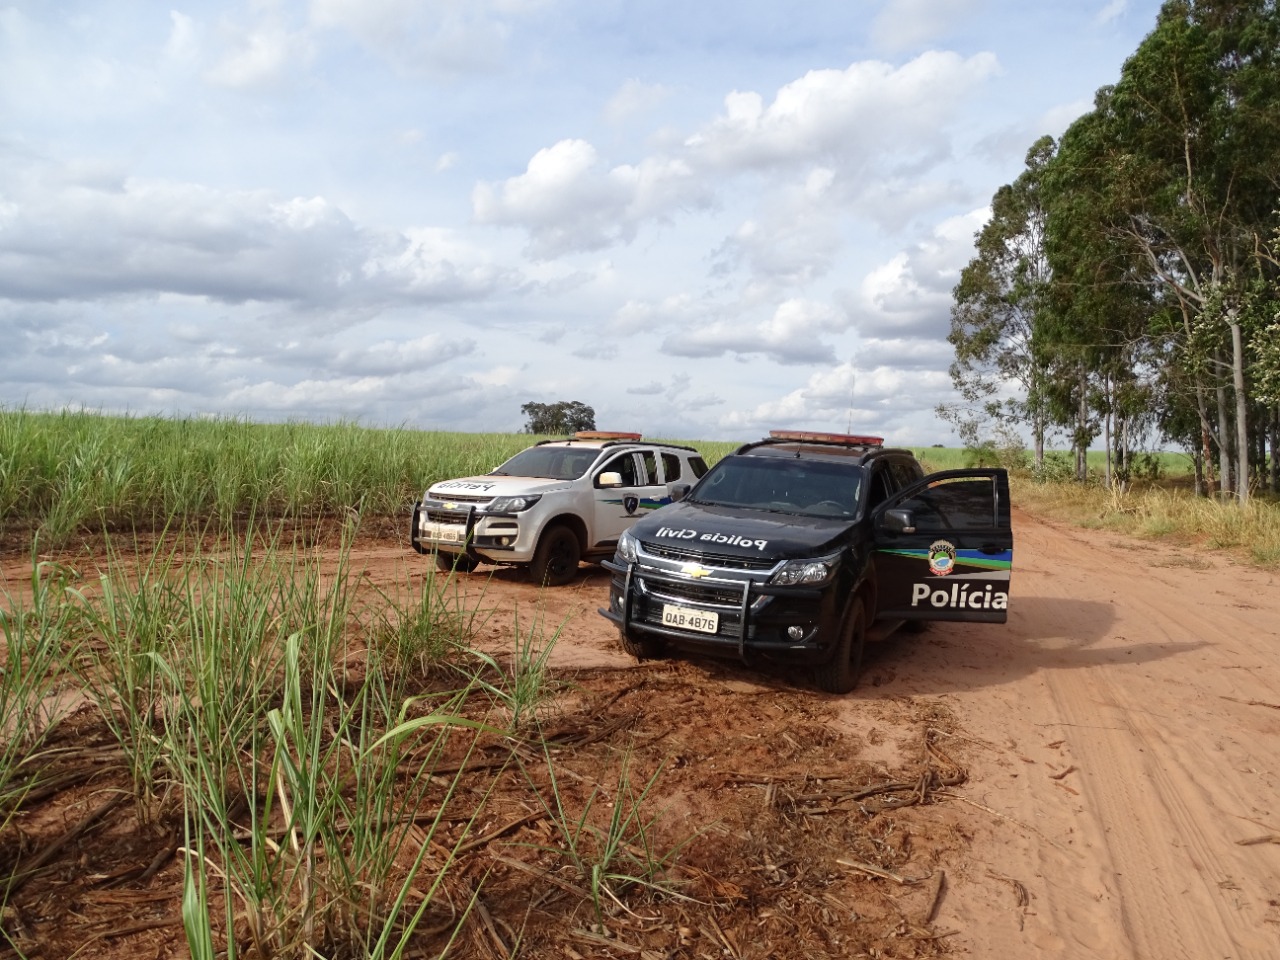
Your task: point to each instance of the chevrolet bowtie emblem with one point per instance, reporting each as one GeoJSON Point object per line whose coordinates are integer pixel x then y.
{"type": "Point", "coordinates": [451, 506]}
{"type": "Point", "coordinates": [695, 570]}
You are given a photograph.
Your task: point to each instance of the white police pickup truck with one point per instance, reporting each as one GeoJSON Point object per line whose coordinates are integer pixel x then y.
{"type": "Point", "coordinates": [552, 505]}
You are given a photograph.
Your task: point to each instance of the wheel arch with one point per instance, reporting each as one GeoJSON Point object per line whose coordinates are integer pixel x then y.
{"type": "Point", "coordinates": [573, 522]}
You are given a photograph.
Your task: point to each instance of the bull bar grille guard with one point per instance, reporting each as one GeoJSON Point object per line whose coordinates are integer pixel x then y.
{"type": "Point", "coordinates": [751, 590]}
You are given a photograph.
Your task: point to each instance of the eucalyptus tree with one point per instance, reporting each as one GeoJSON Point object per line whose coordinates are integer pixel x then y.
{"type": "Point", "coordinates": [1000, 302]}
{"type": "Point", "coordinates": [1174, 175]}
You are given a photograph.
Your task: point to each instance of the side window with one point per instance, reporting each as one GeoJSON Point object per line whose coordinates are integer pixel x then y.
{"type": "Point", "coordinates": [954, 504]}
{"type": "Point", "coordinates": [670, 467]}
{"type": "Point", "coordinates": [881, 486]}
{"type": "Point", "coordinates": [906, 472]}
{"type": "Point", "coordinates": [698, 465]}
{"type": "Point", "coordinates": [625, 464]}
{"type": "Point", "coordinates": [650, 466]}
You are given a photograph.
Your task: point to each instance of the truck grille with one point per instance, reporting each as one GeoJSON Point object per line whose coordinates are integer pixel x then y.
{"type": "Point", "coordinates": [449, 517]}
{"type": "Point", "coordinates": [709, 559]}
{"type": "Point", "coordinates": [694, 593]}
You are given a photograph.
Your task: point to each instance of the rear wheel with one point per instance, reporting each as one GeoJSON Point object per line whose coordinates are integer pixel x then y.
{"type": "Point", "coordinates": [449, 562]}
{"type": "Point", "coordinates": [840, 673]}
{"type": "Point", "coordinates": [555, 562]}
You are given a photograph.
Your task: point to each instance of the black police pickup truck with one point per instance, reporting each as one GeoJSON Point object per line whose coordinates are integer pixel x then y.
{"type": "Point", "coordinates": [791, 546]}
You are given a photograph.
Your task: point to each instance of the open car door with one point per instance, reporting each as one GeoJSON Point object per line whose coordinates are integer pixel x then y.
{"type": "Point", "coordinates": [944, 548]}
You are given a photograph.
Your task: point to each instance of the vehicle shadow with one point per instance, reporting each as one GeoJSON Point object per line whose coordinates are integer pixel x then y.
{"type": "Point", "coordinates": [1043, 633]}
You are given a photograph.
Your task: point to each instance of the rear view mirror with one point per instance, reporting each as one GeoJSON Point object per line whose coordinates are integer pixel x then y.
{"type": "Point", "coordinates": [609, 479]}
{"type": "Point", "coordinates": [900, 521]}
{"type": "Point", "coordinates": [680, 490]}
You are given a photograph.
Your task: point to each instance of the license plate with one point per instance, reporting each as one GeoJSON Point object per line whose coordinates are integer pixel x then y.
{"type": "Point", "coordinates": [687, 618]}
{"type": "Point", "coordinates": [442, 532]}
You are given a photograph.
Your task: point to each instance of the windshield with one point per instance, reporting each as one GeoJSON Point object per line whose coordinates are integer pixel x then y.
{"type": "Point", "coordinates": [551, 463]}
{"type": "Point", "coordinates": [809, 488]}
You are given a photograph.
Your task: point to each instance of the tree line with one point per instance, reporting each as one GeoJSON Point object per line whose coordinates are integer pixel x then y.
{"type": "Point", "coordinates": [1127, 283]}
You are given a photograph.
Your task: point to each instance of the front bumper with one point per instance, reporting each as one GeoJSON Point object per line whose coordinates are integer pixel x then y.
{"type": "Point", "coordinates": [496, 537]}
{"type": "Point", "coordinates": [754, 618]}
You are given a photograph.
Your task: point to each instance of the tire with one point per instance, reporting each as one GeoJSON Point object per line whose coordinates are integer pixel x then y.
{"type": "Point", "coordinates": [461, 562]}
{"type": "Point", "coordinates": [840, 673]}
{"type": "Point", "coordinates": [413, 532]}
{"type": "Point", "coordinates": [643, 647]}
{"type": "Point", "coordinates": [555, 562]}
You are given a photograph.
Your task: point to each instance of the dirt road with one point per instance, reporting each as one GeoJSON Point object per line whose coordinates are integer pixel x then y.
{"type": "Point", "coordinates": [1125, 733]}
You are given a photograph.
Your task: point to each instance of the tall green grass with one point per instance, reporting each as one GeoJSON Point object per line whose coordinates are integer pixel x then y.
{"type": "Point", "coordinates": [317, 737]}
{"type": "Point", "coordinates": [69, 472]}
{"type": "Point", "coordinates": [35, 695]}
{"type": "Point", "coordinates": [63, 472]}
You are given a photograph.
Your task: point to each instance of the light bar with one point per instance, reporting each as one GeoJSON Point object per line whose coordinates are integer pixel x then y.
{"type": "Point", "coordinates": [847, 439]}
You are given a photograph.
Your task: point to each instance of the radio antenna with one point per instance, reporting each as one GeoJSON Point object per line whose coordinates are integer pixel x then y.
{"type": "Point", "coordinates": [852, 382]}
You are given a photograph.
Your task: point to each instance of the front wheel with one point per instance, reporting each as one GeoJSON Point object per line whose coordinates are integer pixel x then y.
{"type": "Point", "coordinates": [413, 531]}
{"type": "Point", "coordinates": [840, 673]}
{"type": "Point", "coordinates": [642, 646]}
{"type": "Point", "coordinates": [555, 562]}
{"type": "Point", "coordinates": [461, 562]}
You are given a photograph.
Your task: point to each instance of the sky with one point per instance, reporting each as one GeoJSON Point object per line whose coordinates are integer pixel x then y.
{"type": "Point", "coordinates": [706, 219]}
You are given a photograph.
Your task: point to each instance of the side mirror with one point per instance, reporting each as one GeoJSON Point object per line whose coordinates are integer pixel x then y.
{"type": "Point", "coordinates": [609, 479]}
{"type": "Point", "coordinates": [680, 490]}
{"type": "Point", "coordinates": [900, 521]}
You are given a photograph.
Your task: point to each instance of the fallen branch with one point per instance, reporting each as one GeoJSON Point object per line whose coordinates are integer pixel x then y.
{"type": "Point", "coordinates": [997, 813]}
{"type": "Point", "coordinates": [879, 872]}
{"type": "Point", "coordinates": [32, 866]}
{"type": "Point", "coordinates": [1254, 703]}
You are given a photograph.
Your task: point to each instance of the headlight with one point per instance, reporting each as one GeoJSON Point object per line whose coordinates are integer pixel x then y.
{"type": "Point", "coordinates": [510, 504]}
{"type": "Point", "coordinates": [627, 547]}
{"type": "Point", "coordinates": [797, 572]}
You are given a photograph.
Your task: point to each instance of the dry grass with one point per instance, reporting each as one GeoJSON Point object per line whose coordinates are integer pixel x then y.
{"type": "Point", "coordinates": [1250, 533]}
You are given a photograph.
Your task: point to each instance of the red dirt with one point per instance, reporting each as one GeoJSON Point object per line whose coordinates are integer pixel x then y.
{"type": "Point", "coordinates": [1097, 778]}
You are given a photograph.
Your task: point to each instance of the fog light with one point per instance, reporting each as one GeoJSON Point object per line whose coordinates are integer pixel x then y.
{"type": "Point", "coordinates": [795, 633]}
{"type": "Point", "coordinates": [504, 541]}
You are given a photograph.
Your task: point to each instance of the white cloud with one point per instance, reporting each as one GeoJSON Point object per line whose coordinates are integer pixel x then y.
{"type": "Point", "coordinates": [902, 24]}
{"type": "Point", "coordinates": [151, 237]}
{"type": "Point", "coordinates": [444, 36]}
{"type": "Point", "coordinates": [829, 124]}
{"type": "Point", "coordinates": [648, 389]}
{"type": "Point", "coordinates": [637, 316]}
{"type": "Point", "coordinates": [791, 335]}
{"type": "Point", "coordinates": [822, 398]}
{"type": "Point", "coordinates": [1112, 11]}
{"type": "Point", "coordinates": [910, 294]}
{"type": "Point", "coordinates": [843, 116]}
{"type": "Point", "coordinates": [634, 98]}
{"type": "Point", "coordinates": [183, 43]}
{"type": "Point", "coordinates": [264, 55]}
{"type": "Point", "coordinates": [569, 202]}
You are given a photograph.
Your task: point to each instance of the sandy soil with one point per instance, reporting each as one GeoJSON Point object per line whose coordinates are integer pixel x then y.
{"type": "Point", "coordinates": [1118, 739]}
{"type": "Point", "coordinates": [1127, 731]}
